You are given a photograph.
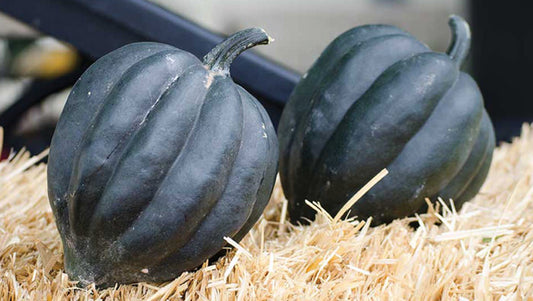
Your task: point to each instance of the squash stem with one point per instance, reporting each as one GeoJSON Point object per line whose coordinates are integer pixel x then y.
{"type": "Point", "coordinates": [220, 58]}
{"type": "Point", "coordinates": [460, 44]}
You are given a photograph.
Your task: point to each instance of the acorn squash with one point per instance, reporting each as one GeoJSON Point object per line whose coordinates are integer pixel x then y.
{"type": "Point", "coordinates": [379, 98]}
{"type": "Point", "coordinates": [156, 158]}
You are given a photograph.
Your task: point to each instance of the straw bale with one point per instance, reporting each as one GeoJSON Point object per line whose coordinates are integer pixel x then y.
{"type": "Point", "coordinates": [482, 252]}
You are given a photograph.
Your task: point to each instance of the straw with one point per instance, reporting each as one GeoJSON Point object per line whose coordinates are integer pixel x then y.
{"type": "Point", "coordinates": [484, 251]}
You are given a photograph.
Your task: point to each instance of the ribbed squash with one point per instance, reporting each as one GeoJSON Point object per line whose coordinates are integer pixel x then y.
{"type": "Point", "coordinates": [156, 158]}
{"type": "Point", "coordinates": [378, 98]}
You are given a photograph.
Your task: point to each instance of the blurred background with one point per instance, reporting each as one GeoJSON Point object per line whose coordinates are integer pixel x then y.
{"type": "Point", "coordinates": [46, 44]}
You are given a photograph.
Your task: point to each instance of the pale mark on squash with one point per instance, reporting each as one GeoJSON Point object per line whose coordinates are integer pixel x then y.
{"type": "Point", "coordinates": [373, 129]}
{"type": "Point", "coordinates": [209, 80]}
{"type": "Point", "coordinates": [419, 190]}
{"type": "Point", "coordinates": [210, 77]}
{"type": "Point", "coordinates": [426, 83]}
{"type": "Point", "coordinates": [170, 58]}
{"type": "Point", "coordinates": [264, 130]}
{"type": "Point", "coordinates": [270, 39]}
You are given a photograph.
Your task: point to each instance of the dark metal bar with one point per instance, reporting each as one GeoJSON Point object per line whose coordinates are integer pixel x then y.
{"type": "Point", "coordinates": [502, 60]}
{"type": "Point", "coordinates": [96, 27]}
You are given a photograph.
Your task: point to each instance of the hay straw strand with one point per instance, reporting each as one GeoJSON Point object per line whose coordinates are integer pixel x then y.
{"type": "Point", "coordinates": [359, 194]}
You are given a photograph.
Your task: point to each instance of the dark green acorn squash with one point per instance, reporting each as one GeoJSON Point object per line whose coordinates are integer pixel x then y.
{"type": "Point", "coordinates": [157, 157]}
{"type": "Point", "coordinates": [378, 98]}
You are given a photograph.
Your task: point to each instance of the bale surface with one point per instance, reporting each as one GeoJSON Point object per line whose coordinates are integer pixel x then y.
{"type": "Point", "coordinates": [482, 252]}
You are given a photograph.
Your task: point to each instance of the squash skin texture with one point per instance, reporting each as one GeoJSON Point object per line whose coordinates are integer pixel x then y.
{"type": "Point", "coordinates": [377, 98]}
{"type": "Point", "coordinates": [156, 158]}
